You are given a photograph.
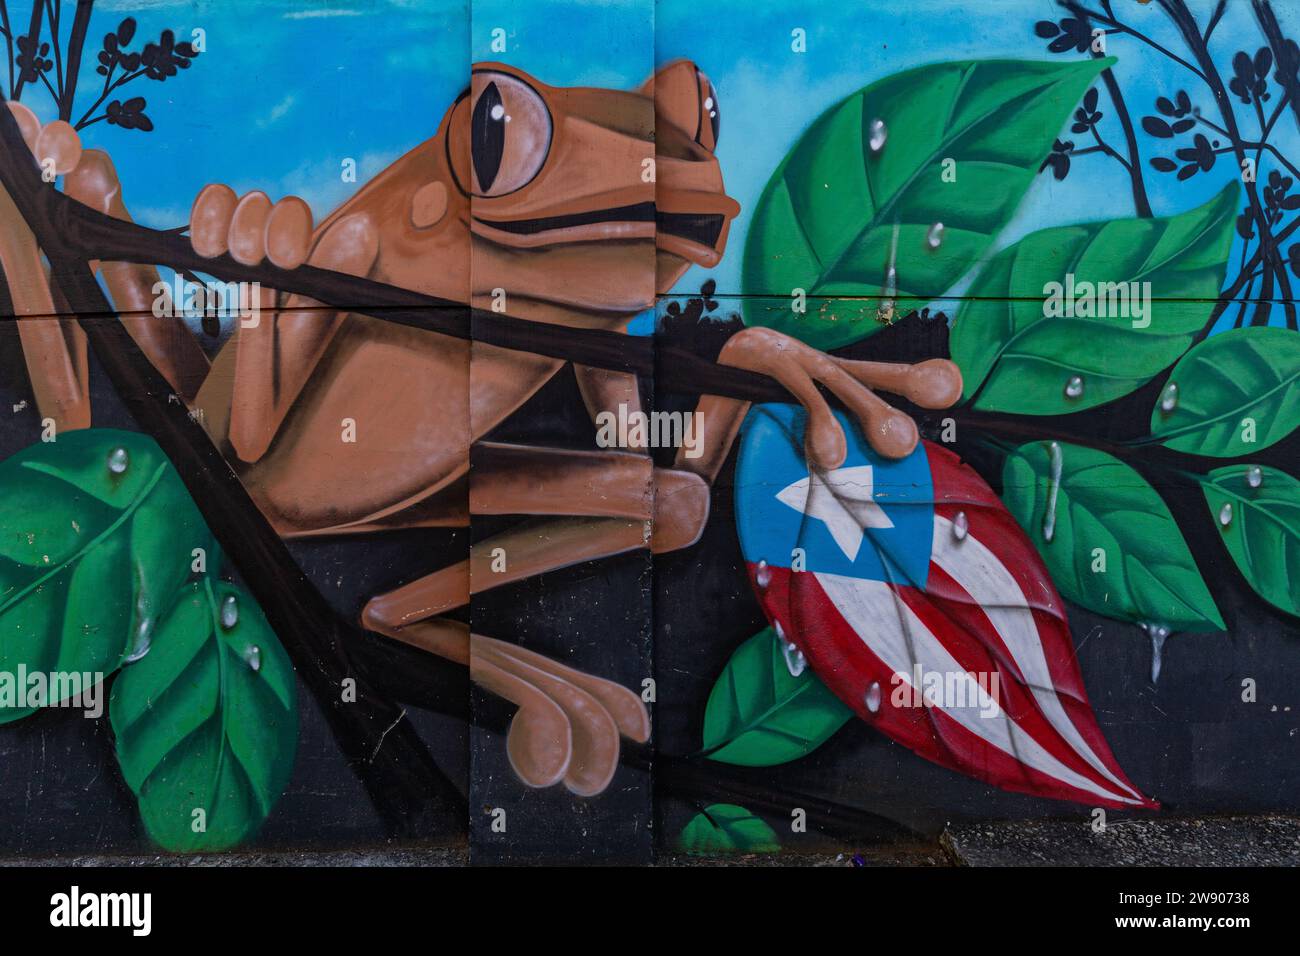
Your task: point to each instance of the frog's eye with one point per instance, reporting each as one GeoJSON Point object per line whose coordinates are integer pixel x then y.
{"type": "Point", "coordinates": [509, 132]}
{"type": "Point", "coordinates": [711, 114]}
{"type": "Point", "coordinates": [686, 98]}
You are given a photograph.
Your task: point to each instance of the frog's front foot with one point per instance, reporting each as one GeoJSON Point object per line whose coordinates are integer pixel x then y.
{"type": "Point", "coordinates": [568, 724]}
{"type": "Point", "coordinates": [801, 369]}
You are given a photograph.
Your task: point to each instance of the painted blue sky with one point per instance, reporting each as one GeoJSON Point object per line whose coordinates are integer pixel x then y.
{"type": "Point", "coordinates": [288, 89]}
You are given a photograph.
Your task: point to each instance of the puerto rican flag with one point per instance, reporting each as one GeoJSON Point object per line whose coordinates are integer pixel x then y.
{"type": "Point", "coordinates": [917, 599]}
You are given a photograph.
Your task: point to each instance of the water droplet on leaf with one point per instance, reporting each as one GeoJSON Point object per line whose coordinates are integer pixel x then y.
{"type": "Point", "coordinates": [1053, 488]}
{"type": "Point", "coordinates": [1254, 476]}
{"type": "Point", "coordinates": [1225, 514]}
{"type": "Point", "coordinates": [254, 658]}
{"type": "Point", "coordinates": [229, 612]}
{"type": "Point", "coordinates": [143, 641]}
{"type": "Point", "coordinates": [118, 460]}
{"type": "Point", "coordinates": [795, 662]}
{"type": "Point", "coordinates": [1169, 398]}
{"type": "Point", "coordinates": [934, 236]}
{"type": "Point", "coordinates": [1074, 387]}
{"type": "Point", "coordinates": [872, 698]}
{"type": "Point", "coordinates": [877, 133]}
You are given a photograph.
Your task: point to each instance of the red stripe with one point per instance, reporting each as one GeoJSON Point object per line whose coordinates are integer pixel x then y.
{"type": "Point", "coordinates": [990, 522]}
{"type": "Point", "coordinates": [969, 636]}
{"type": "Point", "coordinates": [848, 666]}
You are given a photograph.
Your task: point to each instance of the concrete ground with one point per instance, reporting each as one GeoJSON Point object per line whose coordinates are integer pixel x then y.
{"type": "Point", "coordinates": [1201, 841]}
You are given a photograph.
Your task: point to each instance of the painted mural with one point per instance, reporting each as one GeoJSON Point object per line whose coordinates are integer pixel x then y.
{"type": "Point", "coordinates": [597, 431]}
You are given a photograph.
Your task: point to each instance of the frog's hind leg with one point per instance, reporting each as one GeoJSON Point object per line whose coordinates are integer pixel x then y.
{"type": "Point", "coordinates": [586, 505]}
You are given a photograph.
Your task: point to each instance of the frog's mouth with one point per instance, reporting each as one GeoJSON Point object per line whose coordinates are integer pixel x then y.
{"type": "Point", "coordinates": [695, 236]}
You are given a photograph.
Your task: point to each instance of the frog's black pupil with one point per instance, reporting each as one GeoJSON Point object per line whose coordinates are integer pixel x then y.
{"type": "Point", "coordinates": [488, 136]}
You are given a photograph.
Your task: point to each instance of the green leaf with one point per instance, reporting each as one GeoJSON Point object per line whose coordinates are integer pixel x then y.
{"type": "Point", "coordinates": [1263, 530]}
{"type": "Point", "coordinates": [1150, 576]}
{"type": "Point", "coordinates": [825, 221]}
{"type": "Point", "coordinates": [1014, 357]}
{"type": "Point", "coordinates": [727, 828]}
{"type": "Point", "coordinates": [92, 552]}
{"type": "Point", "coordinates": [207, 720]}
{"type": "Point", "coordinates": [1251, 373]}
{"type": "Point", "coordinates": [758, 715]}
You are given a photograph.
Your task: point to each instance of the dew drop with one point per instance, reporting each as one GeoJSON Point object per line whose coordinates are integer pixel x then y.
{"type": "Point", "coordinates": [872, 698]}
{"type": "Point", "coordinates": [877, 133]}
{"type": "Point", "coordinates": [1053, 487]}
{"type": "Point", "coordinates": [1158, 634]}
{"type": "Point", "coordinates": [1074, 387]}
{"type": "Point", "coordinates": [889, 288]}
{"type": "Point", "coordinates": [253, 657]}
{"type": "Point", "coordinates": [1254, 476]}
{"type": "Point", "coordinates": [934, 236]}
{"type": "Point", "coordinates": [1169, 398]}
{"type": "Point", "coordinates": [229, 612]}
{"type": "Point", "coordinates": [118, 460]}
{"type": "Point", "coordinates": [960, 526]}
{"type": "Point", "coordinates": [1225, 514]}
{"type": "Point", "coordinates": [763, 576]}
{"type": "Point", "coordinates": [795, 662]}
{"type": "Point", "coordinates": [143, 641]}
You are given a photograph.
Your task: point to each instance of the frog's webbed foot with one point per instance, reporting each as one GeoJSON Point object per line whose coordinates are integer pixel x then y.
{"type": "Point", "coordinates": [568, 724]}
{"type": "Point", "coordinates": [891, 432]}
{"type": "Point", "coordinates": [276, 354]}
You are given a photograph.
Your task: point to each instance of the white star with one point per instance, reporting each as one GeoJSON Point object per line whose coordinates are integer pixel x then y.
{"type": "Point", "coordinates": [847, 511]}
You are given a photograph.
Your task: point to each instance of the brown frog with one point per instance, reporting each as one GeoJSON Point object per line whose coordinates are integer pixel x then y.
{"type": "Point", "coordinates": [574, 207]}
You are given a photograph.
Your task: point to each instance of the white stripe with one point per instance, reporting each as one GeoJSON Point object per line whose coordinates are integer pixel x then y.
{"type": "Point", "coordinates": [986, 579]}
{"type": "Point", "coordinates": [901, 640]}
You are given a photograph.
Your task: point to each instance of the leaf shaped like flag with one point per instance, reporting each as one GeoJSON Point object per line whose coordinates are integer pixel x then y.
{"type": "Point", "coordinates": [1257, 510]}
{"type": "Point", "coordinates": [1233, 394]}
{"type": "Point", "coordinates": [207, 721]}
{"type": "Point", "coordinates": [1018, 354]}
{"type": "Point", "coordinates": [764, 712]}
{"type": "Point", "coordinates": [922, 605]}
{"type": "Point", "coordinates": [1107, 536]}
{"type": "Point", "coordinates": [727, 828]}
{"type": "Point", "coordinates": [98, 532]}
{"type": "Point", "coordinates": [875, 162]}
